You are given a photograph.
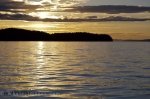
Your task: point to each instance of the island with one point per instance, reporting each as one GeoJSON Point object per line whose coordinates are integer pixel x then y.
{"type": "Point", "coordinates": [15, 34]}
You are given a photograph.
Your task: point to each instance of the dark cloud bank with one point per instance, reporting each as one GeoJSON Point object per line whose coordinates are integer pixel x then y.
{"type": "Point", "coordinates": [110, 9]}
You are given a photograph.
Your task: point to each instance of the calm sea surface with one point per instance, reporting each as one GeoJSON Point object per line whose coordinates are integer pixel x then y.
{"type": "Point", "coordinates": [80, 70]}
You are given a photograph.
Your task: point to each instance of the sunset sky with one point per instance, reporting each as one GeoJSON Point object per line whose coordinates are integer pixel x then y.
{"type": "Point", "coordinates": [118, 11]}
{"type": "Point", "coordinates": [73, 9]}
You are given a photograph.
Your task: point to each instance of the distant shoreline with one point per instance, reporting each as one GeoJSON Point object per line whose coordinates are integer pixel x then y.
{"type": "Point", "coordinates": [16, 34]}
{"type": "Point", "coordinates": [144, 40]}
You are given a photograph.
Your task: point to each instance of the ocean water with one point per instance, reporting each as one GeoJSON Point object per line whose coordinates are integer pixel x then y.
{"type": "Point", "coordinates": [75, 70]}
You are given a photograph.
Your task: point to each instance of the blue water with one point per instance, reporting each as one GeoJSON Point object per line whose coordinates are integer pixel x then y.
{"type": "Point", "coordinates": [75, 70]}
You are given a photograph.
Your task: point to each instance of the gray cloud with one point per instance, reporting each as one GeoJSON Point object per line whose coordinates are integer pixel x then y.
{"type": "Point", "coordinates": [88, 19]}
{"type": "Point", "coordinates": [8, 5]}
{"type": "Point", "coordinates": [18, 17]}
{"type": "Point", "coordinates": [111, 9]}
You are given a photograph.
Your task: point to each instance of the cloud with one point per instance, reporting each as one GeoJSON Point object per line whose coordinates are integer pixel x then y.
{"type": "Point", "coordinates": [17, 5]}
{"type": "Point", "coordinates": [92, 17]}
{"type": "Point", "coordinates": [6, 5]}
{"type": "Point", "coordinates": [18, 17]}
{"type": "Point", "coordinates": [66, 6]}
{"type": "Point", "coordinates": [55, 2]}
{"type": "Point", "coordinates": [13, 16]}
{"type": "Point", "coordinates": [111, 9]}
{"type": "Point", "coordinates": [21, 9]}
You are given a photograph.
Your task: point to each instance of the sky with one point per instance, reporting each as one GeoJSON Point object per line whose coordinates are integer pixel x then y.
{"type": "Point", "coordinates": [46, 10]}
{"type": "Point", "coordinates": [13, 11]}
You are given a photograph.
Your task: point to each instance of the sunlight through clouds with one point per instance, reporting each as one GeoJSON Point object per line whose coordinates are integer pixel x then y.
{"type": "Point", "coordinates": [54, 5]}
{"type": "Point", "coordinates": [18, 0]}
{"type": "Point", "coordinates": [43, 10]}
{"type": "Point", "coordinates": [55, 2]}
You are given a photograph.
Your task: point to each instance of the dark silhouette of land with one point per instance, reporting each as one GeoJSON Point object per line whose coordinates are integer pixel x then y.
{"type": "Point", "coordinates": [14, 34]}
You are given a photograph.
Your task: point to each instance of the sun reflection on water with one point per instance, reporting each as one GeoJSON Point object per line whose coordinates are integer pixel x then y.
{"type": "Point", "coordinates": [39, 62]}
{"type": "Point", "coordinates": [40, 56]}
{"type": "Point", "coordinates": [46, 70]}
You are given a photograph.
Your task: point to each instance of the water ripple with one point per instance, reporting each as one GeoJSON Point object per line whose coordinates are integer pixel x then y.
{"type": "Point", "coordinates": [94, 70]}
